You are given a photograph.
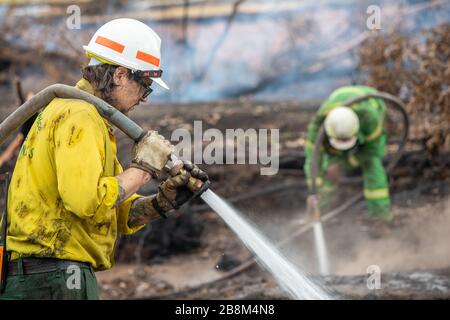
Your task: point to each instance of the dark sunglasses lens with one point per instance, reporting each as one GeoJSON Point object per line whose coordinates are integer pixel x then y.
{"type": "Point", "coordinates": [147, 92]}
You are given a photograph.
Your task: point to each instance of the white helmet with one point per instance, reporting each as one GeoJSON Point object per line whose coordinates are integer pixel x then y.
{"type": "Point", "coordinates": [341, 127]}
{"type": "Point", "coordinates": [128, 43]}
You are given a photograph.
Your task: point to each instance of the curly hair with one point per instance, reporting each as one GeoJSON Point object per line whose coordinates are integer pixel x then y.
{"type": "Point", "coordinates": [101, 78]}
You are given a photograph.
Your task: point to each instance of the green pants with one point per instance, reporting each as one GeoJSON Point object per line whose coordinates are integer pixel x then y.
{"type": "Point", "coordinates": [78, 283]}
{"type": "Point", "coordinates": [375, 182]}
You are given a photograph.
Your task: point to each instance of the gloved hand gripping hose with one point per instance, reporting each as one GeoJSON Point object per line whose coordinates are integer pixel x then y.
{"type": "Point", "coordinates": [195, 185]}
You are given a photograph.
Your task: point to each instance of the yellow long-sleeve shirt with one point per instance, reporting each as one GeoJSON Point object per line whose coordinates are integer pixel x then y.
{"type": "Point", "coordinates": [62, 191]}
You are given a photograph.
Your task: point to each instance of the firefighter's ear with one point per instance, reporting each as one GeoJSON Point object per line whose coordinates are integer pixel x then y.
{"type": "Point", "coordinates": [120, 76]}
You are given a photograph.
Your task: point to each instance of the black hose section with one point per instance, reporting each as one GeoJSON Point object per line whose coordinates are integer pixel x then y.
{"type": "Point", "coordinates": [315, 159]}
{"type": "Point", "coordinates": [397, 104]}
{"type": "Point", "coordinates": [44, 97]}
{"type": "Point", "coordinates": [19, 91]}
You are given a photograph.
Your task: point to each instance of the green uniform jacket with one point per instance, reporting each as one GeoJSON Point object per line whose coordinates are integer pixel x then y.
{"type": "Point", "coordinates": [368, 154]}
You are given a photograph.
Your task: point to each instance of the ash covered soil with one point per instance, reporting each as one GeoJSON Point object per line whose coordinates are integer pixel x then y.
{"type": "Point", "coordinates": [191, 255]}
{"type": "Point", "coordinates": [154, 266]}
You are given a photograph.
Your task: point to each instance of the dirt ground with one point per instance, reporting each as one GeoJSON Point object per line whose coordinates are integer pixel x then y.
{"type": "Point", "coordinates": [417, 241]}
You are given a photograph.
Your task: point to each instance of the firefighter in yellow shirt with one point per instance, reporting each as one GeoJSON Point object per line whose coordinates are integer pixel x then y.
{"type": "Point", "coordinates": [69, 197]}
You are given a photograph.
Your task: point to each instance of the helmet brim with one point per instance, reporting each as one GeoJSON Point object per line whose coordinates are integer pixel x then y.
{"type": "Point", "coordinates": [161, 83]}
{"type": "Point", "coordinates": [342, 145]}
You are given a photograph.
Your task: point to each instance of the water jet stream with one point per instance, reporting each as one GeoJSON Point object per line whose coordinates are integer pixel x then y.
{"type": "Point", "coordinates": [288, 276]}
{"type": "Point", "coordinates": [321, 248]}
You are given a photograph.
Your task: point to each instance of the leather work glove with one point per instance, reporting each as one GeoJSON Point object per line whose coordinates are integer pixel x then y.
{"type": "Point", "coordinates": [151, 153]}
{"type": "Point", "coordinates": [186, 182]}
{"type": "Point", "coordinates": [197, 176]}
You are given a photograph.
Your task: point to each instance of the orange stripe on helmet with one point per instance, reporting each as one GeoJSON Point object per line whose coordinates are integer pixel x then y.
{"type": "Point", "coordinates": [148, 58]}
{"type": "Point", "coordinates": [110, 44]}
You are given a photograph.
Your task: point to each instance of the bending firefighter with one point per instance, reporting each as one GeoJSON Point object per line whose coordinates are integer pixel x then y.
{"type": "Point", "coordinates": [69, 197]}
{"type": "Point", "coordinates": [355, 136]}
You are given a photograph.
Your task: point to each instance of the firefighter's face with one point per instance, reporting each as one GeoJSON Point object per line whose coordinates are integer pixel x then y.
{"type": "Point", "coordinates": [128, 92]}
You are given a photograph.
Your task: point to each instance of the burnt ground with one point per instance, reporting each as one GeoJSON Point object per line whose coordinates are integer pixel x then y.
{"type": "Point", "coordinates": [195, 247]}
{"type": "Point", "coordinates": [184, 250]}
{"type": "Point", "coordinates": [418, 241]}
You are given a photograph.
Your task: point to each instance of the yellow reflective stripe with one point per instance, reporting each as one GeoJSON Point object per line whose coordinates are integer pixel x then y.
{"type": "Point", "coordinates": [378, 130]}
{"type": "Point", "coordinates": [319, 181]}
{"type": "Point", "coordinates": [328, 188]}
{"type": "Point", "coordinates": [327, 110]}
{"type": "Point", "coordinates": [373, 194]}
{"type": "Point", "coordinates": [309, 144]}
{"type": "Point", "coordinates": [356, 91]}
{"type": "Point", "coordinates": [353, 161]}
{"type": "Point", "coordinates": [91, 55]}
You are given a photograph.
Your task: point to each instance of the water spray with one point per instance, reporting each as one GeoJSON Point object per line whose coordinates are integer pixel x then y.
{"type": "Point", "coordinates": [319, 238]}
{"type": "Point", "coordinates": [313, 206]}
{"type": "Point", "coordinates": [287, 275]}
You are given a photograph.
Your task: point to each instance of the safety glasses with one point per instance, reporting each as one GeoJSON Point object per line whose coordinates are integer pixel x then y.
{"type": "Point", "coordinates": [147, 88]}
{"type": "Point", "coordinates": [140, 76]}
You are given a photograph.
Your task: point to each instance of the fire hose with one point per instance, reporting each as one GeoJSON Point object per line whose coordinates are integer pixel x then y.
{"type": "Point", "coordinates": [43, 98]}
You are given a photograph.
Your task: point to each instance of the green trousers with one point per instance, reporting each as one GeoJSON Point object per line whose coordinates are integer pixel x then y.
{"type": "Point", "coordinates": [78, 283]}
{"type": "Point", "coordinates": [376, 191]}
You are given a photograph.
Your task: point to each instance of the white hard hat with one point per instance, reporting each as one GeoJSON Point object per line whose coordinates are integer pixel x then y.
{"type": "Point", "coordinates": [341, 127]}
{"type": "Point", "coordinates": [128, 43]}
